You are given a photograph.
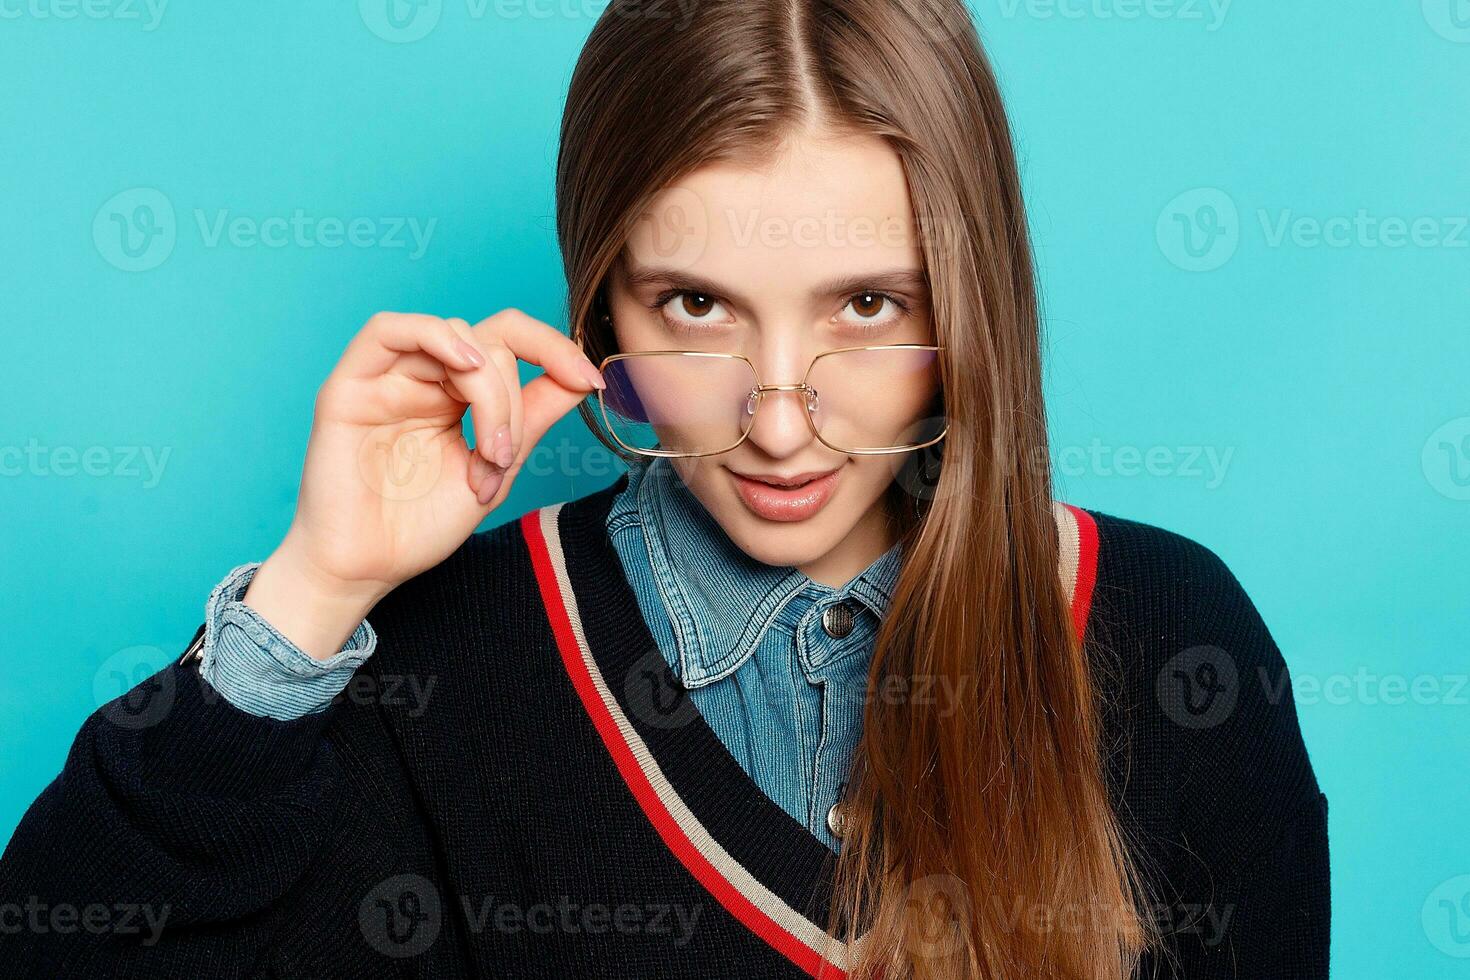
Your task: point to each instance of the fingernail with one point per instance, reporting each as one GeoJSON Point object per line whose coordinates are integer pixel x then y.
{"type": "Point", "coordinates": [593, 377]}
{"type": "Point", "coordinates": [468, 352]}
{"type": "Point", "coordinates": [488, 486]}
{"type": "Point", "coordinates": [501, 449]}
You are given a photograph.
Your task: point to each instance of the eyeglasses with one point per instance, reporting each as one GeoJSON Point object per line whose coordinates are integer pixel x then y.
{"type": "Point", "coordinates": [859, 400]}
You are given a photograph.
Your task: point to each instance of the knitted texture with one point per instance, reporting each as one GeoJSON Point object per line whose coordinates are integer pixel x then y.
{"type": "Point", "coordinates": [510, 788]}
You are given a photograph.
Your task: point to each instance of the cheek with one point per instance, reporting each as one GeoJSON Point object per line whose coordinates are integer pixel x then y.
{"type": "Point", "coordinates": [867, 480]}
{"type": "Point", "coordinates": [704, 477]}
{"type": "Point", "coordinates": [694, 471]}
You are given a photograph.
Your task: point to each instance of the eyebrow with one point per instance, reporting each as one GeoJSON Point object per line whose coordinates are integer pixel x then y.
{"type": "Point", "coordinates": [884, 280]}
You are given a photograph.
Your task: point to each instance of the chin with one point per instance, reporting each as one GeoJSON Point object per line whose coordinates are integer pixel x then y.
{"type": "Point", "coordinates": [795, 544]}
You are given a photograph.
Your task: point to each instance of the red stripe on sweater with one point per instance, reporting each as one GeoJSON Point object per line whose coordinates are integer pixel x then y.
{"type": "Point", "coordinates": [1086, 568]}
{"type": "Point", "coordinates": [663, 821]}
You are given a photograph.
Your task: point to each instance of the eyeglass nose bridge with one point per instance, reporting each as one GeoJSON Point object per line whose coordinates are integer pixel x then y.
{"type": "Point", "coordinates": [753, 398]}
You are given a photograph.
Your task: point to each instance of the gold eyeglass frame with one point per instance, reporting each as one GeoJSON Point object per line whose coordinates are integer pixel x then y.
{"type": "Point", "coordinates": [759, 393]}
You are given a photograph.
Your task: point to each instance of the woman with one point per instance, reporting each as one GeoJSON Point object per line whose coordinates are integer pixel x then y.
{"type": "Point", "coordinates": [826, 685]}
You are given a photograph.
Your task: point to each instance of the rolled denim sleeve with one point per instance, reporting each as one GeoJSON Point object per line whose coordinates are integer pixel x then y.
{"type": "Point", "coordinates": [261, 672]}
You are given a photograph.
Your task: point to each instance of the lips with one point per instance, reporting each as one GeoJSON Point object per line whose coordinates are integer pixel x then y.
{"type": "Point", "coordinates": [786, 498]}
{"type": "Point", "coordinates": [786, 482]}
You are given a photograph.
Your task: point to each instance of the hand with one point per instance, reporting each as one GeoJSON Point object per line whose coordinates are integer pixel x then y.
{"type": "Point", "coordinates": [390, 488]}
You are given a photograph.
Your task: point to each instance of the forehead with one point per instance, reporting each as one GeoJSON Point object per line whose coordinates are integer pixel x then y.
{"type": "Point", "coordinates": [819, 205]}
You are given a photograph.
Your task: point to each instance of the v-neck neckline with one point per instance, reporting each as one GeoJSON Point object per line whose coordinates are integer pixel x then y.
{"type": "Point", "coordinates": [761, 864]}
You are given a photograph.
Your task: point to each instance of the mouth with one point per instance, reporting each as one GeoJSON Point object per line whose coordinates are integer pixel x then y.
{"type": "Point", "coordinates": [786, 497]}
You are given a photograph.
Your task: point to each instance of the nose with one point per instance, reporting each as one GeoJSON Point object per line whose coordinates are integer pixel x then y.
{"type": "Point", "coordinates": [780, 428]}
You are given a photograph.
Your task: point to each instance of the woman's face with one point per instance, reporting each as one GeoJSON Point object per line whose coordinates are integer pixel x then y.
{"type": "Point", "coordinates": [812, 250]}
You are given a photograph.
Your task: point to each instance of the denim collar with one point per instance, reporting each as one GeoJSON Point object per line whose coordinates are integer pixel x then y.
{"type": "Point", "coordinates": [721, 602]}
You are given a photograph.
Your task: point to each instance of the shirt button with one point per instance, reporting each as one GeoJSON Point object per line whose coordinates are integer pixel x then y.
{"type": "Point", "coordinates": [834, 820]}
{"type": "Point", "coordinates": [837, 620]}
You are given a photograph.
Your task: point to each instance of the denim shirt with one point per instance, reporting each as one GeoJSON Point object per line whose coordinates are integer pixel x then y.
{"type": "Point", "coordinates": [754, 644]}
{"type": "Point", "coordinates": [778, 677]}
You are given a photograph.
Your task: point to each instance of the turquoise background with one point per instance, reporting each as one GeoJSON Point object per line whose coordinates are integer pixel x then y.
{"type": "Point", "coordinates": [1331, 377]}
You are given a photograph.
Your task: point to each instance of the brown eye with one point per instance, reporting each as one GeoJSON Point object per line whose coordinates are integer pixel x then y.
{"type": "Point", "coordinates": [869, 312]}
{"type": "Point", "coordinates": [697, 304]}
{"type": "Point", "coordinates": [868, 304]}
{"type": "Point", "coordinates": [686, 310]}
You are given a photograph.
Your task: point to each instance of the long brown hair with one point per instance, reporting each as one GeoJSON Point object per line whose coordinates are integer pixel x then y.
{"type": "Point", "coordinates": [981, 840]}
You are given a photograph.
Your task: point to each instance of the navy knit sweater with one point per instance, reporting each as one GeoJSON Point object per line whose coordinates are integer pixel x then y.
{"type": "Point", "coordinates": [556, 807]}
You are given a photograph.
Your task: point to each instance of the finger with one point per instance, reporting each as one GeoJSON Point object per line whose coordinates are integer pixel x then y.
{"type": "Point", "coordinates": [413, 388]}
{"type": "Point", "coordinates": [421, 367]}
{"type": "Point", "coordinates": [485, 481]}
{"type": "Point", "coordinates": [387, 336]}
{"type": "Point", "coordinates": [497, 437]}
{"type": "Point", "coordinates": [489, 403]}
{"type": "Point", "coordinates": [509, 367]}
{"type": "Point", "coordinates": [543, 345]}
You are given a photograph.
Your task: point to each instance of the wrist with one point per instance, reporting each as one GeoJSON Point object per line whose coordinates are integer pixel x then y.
{"type": "Point", "coordinates": [316, 611]}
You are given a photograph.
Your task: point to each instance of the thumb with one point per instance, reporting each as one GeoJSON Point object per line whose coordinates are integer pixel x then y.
{"type": "Point", "coordinates": [543, 402]}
